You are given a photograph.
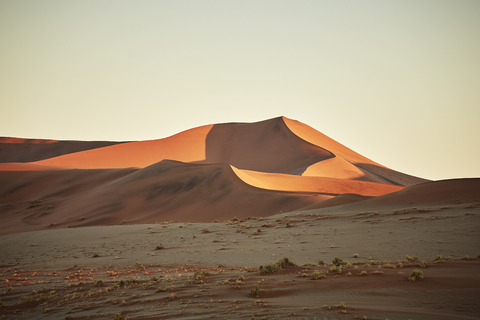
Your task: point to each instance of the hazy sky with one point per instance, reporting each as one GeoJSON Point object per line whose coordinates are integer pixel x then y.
{"type": "Point", "coordinates": [397, 81]}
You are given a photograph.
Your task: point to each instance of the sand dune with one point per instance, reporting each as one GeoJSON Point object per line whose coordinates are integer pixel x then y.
{"type": "Point", "coordinates": [443, 193]}
{"type": "Point", "coordinates": [318, 200]}
{"type": "Point", "coordinates": [29, 150]}
{"type": "Point", "coordinates": [332, 186]}
{"type": "Point", "coordinates": [168, 190]}
{"type": "Point", "coordinates": [187, 146]}
{"type": "Point", "coordinates": [213, 172]}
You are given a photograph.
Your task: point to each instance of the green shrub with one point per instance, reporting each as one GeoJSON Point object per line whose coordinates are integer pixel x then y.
{"type": "Point", "coordinates": [317, 275]}
{"type": "Point", "coordinates": [268, 268]}
{"type": "Point", "coordinates": [256, 291]}
{"type": "Point", "coordinates": [415, 275]}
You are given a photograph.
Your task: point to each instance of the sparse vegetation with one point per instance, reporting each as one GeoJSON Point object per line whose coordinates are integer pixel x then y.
{"type": "Point", "coordinates": [439, 259]}
{"type": "Point", "coordinates": [416, 275]}
{"type": "Point", "coordinates": [422, 264]}
{"type": "Point", "coordinates": [317, 275]}
{"type": "Point", "coordinates": [95, 255]}
{"type": "Point", "coordinates": [205, 230]}
{"type": "Point", "coordinates": [98, 283]}
{"type": "Point", "coordinates": [159, 247]}
{"type": "Point", "coordinates": [256, 292]}
{"type": "Point", "coordinates": [34, 203]}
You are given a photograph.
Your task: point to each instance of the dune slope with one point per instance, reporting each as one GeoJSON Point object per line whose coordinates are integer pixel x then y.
{"type": "Point", "coordinates": [168, 190]}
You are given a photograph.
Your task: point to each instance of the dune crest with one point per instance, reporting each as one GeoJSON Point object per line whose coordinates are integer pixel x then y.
{"type": "Point", "coordinates": [212, 172]}
{"type": "Point", "coordinates": [186, 146]}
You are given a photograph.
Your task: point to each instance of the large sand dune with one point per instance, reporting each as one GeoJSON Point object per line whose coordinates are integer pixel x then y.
{"type": "Point", "coordinates": [115, 230]}
{"type": "Point", "coordinates": [213, 172]}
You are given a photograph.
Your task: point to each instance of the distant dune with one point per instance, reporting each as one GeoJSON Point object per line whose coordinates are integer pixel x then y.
{"type": "Point", "coordinates": [213, 172]}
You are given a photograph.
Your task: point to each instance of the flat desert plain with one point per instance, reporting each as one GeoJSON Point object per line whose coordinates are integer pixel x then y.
{"type": "Point", "coordinates": [262, 220]}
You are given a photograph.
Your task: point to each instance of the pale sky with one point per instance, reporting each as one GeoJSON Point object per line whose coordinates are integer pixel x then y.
{"type": "Point", "coordinates": [396, 81]}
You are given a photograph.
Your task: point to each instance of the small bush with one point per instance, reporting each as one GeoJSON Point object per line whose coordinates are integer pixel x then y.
{"type": "Point", "coordinates": [366, 265]}
{"type": "Point", "coordinates": [285, 262]}
{"type": "Point", "coordinates": [256, 292]}
{"type": "Point", "coordinates": [200, 273]}
{"type": "Point", "coordinates": [439, 259]}
{"type": "Point", "coordinates": [34, 203]}
{"type": "Point", "coordinates": [98, 283]}
{"type": "Point", "coordinates": [355, 255]}
{"type": "Point", "coordinates": [268, 268]}
{"type": "Point", "coordinates": [415, 275]}
{"type": "Point", "coordinates": [411, 259]}
{"type": "Point", "coordinates": [338, 262]}
{"type": "Point", "coordinates": [317, 275]}
{"type": "Point", "coordinates": [95, 255]}
{"type": "Point", "coordinates": [205, 230]}
{"type": "Point", "coordinates": [388, 266]}
{"type": "Point", "coordinates": [422, 264]}
{"type": "Point", "coordinates": [159, 247]}
{"type": "Point", "coordinates": [467, 257]}
{"type": "Point", "coordinates": [363, 273]}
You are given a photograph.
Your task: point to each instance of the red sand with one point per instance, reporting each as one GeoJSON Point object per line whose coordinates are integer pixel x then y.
{"type": "Point", "coordinates": [219, 171]}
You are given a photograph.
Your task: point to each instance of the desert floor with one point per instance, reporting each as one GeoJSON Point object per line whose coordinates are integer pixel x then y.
{"type": "Point", "coordinates": [55, 274]}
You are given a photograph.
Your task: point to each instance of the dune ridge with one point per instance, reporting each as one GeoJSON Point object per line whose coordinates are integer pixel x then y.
{"type": "Point", "coordinates": [212, 172]}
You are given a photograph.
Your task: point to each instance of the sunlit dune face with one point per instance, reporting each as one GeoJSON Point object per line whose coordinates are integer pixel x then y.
{"type": "Point", "coordinates": [187, 146]}
{"type": "Point", "coordinates": [291, 183]}
{"type": "Point", "coordinates": [315, 137]}
{"type": "Point", "coordinates": [334, 168]}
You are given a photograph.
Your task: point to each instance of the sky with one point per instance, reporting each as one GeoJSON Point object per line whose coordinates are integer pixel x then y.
{"type": "Point", "coordinates": [396, 81]}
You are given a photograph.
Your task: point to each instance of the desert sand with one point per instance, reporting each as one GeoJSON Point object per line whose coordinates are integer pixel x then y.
{"type": "Point", "coordinates": [179, 228]}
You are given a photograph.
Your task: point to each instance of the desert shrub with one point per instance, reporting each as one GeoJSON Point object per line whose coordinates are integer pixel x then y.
{"type": "Point", "coordinates": [285, 262]}
{"type": "Point", "coordinates": [411, 259]}
{"type": "Point", "coordinates": [256, 291]}
{"type": "Point", "coordinates": [366, 265]}
{"type": "Point", "coordinates": [117, 316]}
{"type": "Point", "coordinates": [338, 262]}
{"type": "Point", "coordinates": [205, 230]}
{"type": "Point", "coordinates": [332, 269]}
{"type": "Point", "coordinates": [422, 264]}
{"type": "Point", "coordinates": [320, 262]}
{"type": "Point", "coordinates": [34, 203]}
{"type": "Point", "coordinates": [349, 274]}
{"type": "Point", "coordinates": [95, 255]}
{"type": "Point", "coordinates": [159, 247]}
{"type": "Point", "coordinates": [388, 266]}
{"type": "Point", "coordinates": [355, 255]}
{"type": "Point", "coordinates": [439, 259]}
{"type": "Point", "coordinates": [200, 273]}
{"type": "Point", "coordinates": [363, 273]}
{"type": "Point", "coordinates": [317, 275]}
{"type": "Point", "coordinates": [98, 283]}
{"type": "Point", "coordinates": [268, 268]}
{"type": "Point", "coordinates": [415, 275]}
{"type": "Point", "coordinates": [400, 265]}
{"type": "Point", "coordinates": [5, 206]}
{"type": "Point", "coordinates": [467, 257]}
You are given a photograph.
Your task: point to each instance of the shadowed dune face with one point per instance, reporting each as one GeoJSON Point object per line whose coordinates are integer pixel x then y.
{"type": "Point", "coordinates": [266, 146]}
{"type": "Point", "coordinates": [168, 190]}
{"type": "Point", "coordinates": [29, 150]}
{"type": "Point", "coordinates": [213, 172]}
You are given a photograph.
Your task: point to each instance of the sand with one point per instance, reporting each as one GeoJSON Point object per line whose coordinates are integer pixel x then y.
{"type": "Point", "coordinates": [148, 217]}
